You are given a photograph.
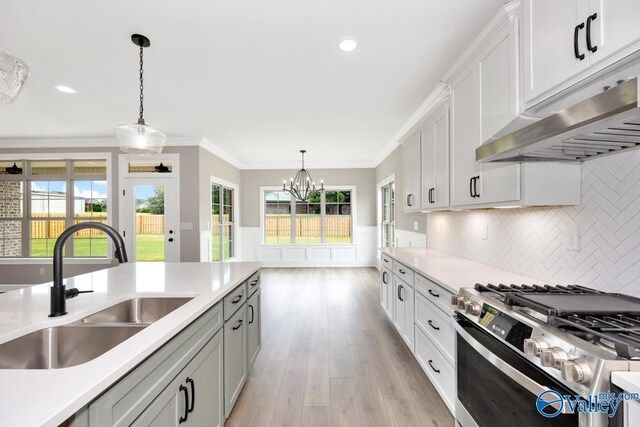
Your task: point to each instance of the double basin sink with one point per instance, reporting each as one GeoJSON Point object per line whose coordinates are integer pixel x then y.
{"type": "Point", "coordinates": [84, 340]}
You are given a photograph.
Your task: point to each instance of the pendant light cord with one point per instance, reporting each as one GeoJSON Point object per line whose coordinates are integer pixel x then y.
{"type": "Point", "coordinates": [141, 118]}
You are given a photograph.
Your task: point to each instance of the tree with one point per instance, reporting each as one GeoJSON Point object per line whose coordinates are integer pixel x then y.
{"type": "Point", "coordinates": [155, 203]}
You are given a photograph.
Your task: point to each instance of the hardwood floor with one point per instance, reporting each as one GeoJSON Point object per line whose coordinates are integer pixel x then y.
{"type": "Point", "coordinates": [330, 357]}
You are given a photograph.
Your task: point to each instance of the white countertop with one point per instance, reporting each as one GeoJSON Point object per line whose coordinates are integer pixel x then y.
{"type": "Point", "coordinates": [453, 272]}
{"type": "Point", "coordinates": [30, 397]}
{"type": "Point", "coordinates": [627, 381]}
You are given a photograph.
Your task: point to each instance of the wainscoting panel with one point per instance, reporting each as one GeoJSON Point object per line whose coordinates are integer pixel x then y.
{"type": "Point", "coordinates": [534, 241]}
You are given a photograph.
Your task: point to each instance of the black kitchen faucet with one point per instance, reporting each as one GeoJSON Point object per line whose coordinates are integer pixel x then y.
{"type": "Point", "coordinates": [59, 294]}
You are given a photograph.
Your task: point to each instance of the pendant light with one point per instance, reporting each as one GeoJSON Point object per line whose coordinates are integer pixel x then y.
{"type": "Point", "coordinates": [139, 137]}
{"type": "Point", "coordinates": [161, 168]}
{"type": "Point", "coordinates": [302, 187]}
{"type": "Point", "coordinates": [13, 170]}
{"type": "Point", "coordinates": [13, 74]}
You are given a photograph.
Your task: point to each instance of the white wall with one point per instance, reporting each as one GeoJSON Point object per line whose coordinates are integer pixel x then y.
{"type": "Point", "coordinates": [533, 241]}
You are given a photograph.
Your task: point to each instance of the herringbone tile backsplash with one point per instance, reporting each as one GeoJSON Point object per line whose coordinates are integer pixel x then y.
{"type": "Point", "coordinates": [533, 241]}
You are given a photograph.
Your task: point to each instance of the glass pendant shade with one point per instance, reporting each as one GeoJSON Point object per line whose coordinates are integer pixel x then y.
{"type": "Point", "coordinates": [138, 138]}
{"type": "Point", "coordinates": [13, 74]}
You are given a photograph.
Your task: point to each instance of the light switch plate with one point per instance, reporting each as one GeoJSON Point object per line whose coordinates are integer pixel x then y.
{"type": "Point", "coordinates": [573, 239]}
{"type": "Point", "coordinates": [416, 226]}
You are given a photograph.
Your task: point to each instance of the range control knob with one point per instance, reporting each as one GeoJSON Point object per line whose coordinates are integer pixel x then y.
{"type": "Point", "coordinates": [576, 371]}
{"type": "Point", "coordinates": [553, 357]}
{"type": "Point", "coordinates": [533, 346]}
{"type": "Point", "coordinates": [455, 299]}
{"type": "Point", "coordinates": [472, 308]}
{"type": "Point", "coordinates": [462, 301]}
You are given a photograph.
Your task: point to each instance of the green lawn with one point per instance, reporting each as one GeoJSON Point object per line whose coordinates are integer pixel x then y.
{"type": "Point", "coordinates": [215, 247]}
{"type": "Point", "coordinates": [148, 247]}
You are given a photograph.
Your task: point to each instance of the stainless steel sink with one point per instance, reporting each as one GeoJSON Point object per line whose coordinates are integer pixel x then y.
{"type": "Point", "coordinates": [63, 346]}
{"type": "Point", "coordinates": [136, 310]}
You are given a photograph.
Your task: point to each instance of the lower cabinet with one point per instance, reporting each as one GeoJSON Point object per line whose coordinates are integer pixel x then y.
{"type": "Point", "coordinates": [439, 371]}
{"type": "Point", "coordinates": [235, 358]}
{"type": "Point", "coordinates": [403, 311]}
{"type": "Point", "coordinates": [254, 334]}
{"type": "Point", "coordinates": [386, 292]}
{"type": "Point", "coordinates": [194, 397]}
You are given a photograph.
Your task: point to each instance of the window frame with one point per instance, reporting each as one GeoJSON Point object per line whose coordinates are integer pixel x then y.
{"type": "Point", "coordinates": [235, 209]}
{"type": "Point", "coordinates": [323, 216]}
{"type": "Point", "coordinates": [69, 178]}
{"type": "Point", "coordinates": [388, 181]}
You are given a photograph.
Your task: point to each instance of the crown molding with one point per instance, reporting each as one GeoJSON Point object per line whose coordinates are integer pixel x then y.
{"type": "Point", "coordinates": [84, 142]}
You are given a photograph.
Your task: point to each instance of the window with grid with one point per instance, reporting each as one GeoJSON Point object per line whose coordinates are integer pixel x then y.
{"type": "Point", "coordinates": [388, 225]}
{"type": "Point", "coordinates": [41, 198]}
{"type": "Point", "coordinates": [325, 218]}
{"type": "Point", "coordinates": [222, 211]}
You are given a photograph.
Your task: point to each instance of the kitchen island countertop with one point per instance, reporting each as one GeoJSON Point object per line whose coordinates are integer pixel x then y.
{"type": "Point", "coordinates": [49, 397]}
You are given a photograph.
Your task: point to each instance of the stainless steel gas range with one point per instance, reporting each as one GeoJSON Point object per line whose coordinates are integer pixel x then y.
{"type": "Point", "coordinates": [542, 355]}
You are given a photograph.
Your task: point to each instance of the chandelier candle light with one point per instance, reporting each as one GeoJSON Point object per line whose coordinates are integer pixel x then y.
{"type": "Point", "coordinates": [303, 187]}
{"type": "Point", "coordinates": [139, 137]}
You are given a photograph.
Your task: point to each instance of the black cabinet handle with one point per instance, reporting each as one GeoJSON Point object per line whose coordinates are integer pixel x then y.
{"type": "Point", "coordinates": [193, 394]}
{"type": "Point", "coordinates": [437, 371]}
{"type": "Point", "coordinates": [252, 314]}
{"type": "Point", "coordinates": [475, 186]}
{"type": "Point", "coordinates": [432, 192]}
{"type": "Point", "coordinates": [253, 283]}
{"type": "Point", "coordinates": [409, 196]}
{"type": "Point", "coordinates": [400, 292]}
{"type": "Point", "coordinates": [434, 294]}
{"type": "Point", "coordinates": [236, 299]}
{"type": "Point", "coordinates": [237, 326]}
{"type": "Point", "coordinates": [385, 260]}
{"type": "Point", "coordinates": [186, 404]}
{"type": "Point", "coordinates": [384, 277]}
{"type": "Point", "coordinates": [401, 271]}
{"type": "Point", "coordinates": [589, 20]}
{"type": "Point", "coordinates": [576, 48]}
{"type": "Point", "coordinates": [471, 186]}
{"type": "Point", "coordinates": [431, 324]}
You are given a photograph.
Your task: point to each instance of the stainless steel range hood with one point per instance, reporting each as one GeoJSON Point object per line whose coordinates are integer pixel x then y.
{"type": "Point", "coordinates": [602, 124]}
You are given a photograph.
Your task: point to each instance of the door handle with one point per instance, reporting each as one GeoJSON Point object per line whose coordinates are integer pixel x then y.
{"type": "Point", "coordinates": [384, 277]}
{"type": "Point", "coordinates": [576, 48]}
{"type": "Point", "coordinates": [431, 195]}
{"type": "Point", "coordinates": [400, 287]}
{"type": "Point", "coordinates": [252, 314]}
{"type": "Point", "coordinates": [186, 404]}
{"type": "Point", "coordinates": [193, 394]}
{"type": "Point", "coordinates": [170, 239]}
{"type": "Point", "coordinates": [475, 186]}
{"type": "Point", "coordinates": [471, 186]}
{"type": "Point", "coordinates": [590, 19]}
{"type": "Point", "coordinates": [237, 325]}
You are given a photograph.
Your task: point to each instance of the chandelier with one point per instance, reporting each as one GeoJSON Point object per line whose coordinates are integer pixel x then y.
{"type": "Point", "coordinates": [13, 73]}
{"type": "Point", "coordinates": [140, 137]}
{"type": "Point", "coordinates": [302, 187]}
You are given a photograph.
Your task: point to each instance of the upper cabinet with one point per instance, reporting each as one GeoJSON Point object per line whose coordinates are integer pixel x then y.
{"type": "Point", "coordinates": [565, 41]}
{"type": "Point", "coordinates": [435, 159]}
{"type": "Point", "coordinates": [411, 155]}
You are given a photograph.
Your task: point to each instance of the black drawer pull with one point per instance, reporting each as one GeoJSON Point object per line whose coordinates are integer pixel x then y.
{"type": "Point", "coordinates": [252, 314]}
{"type": "Point", "coordinates": [437, 371]}
{"type": "Point", "coordinates": [590, 19]}
{"type": "Point", "coordinates": [384, 277]}
{"type": "Point", "coordinates": [254, 282]}
{"type": "Point", "coordinates": [434, 294]}
{"type": "Point", "coordinates": [193, 394]}
{"type": "Point", "coordinates": [237, 299]}
{"type": "Point", "coordinates": [237, 325]}
{"type": "Point", "coordinates": [401, 271]}
{"type": "Point", "coordinates": [186, 404]}
{"type": "Point", "coordinates": [576, 49]}
{"type": "Point", "coordinates": [434, 327]}
{"type": "Point", "coordinates": [385, 259]}
{"type": "Point", "coordinates": [400, 287]}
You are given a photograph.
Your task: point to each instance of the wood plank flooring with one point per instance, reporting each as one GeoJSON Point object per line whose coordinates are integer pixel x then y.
{"type": "Point", "coordinates": [330, 357]}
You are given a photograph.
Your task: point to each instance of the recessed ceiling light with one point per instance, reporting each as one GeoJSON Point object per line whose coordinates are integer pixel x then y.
{"type": "Point", "coordinates": [66, 89]}
{"type": "Point", "coordinates": [348, 44]}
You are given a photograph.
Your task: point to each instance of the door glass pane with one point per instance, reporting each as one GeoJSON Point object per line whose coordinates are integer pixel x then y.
{"type": "Point", "coordinates": [277, 220]}
{"type": "Point", "coordinates": [228, 241]}
{"type": "Point", "coordinates": [149, 203]}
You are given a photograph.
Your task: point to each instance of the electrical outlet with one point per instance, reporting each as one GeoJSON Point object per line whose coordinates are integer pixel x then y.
{"type": "Point", "coordinates": [573, 239]}
{"type": "Point", "coordinates": [484, 232]}
{"type": "Point", "coordinates": [416, 226]}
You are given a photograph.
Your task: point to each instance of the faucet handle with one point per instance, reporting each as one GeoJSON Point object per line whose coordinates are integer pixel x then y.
{"type": "Point", "coordinates": [73, 292]}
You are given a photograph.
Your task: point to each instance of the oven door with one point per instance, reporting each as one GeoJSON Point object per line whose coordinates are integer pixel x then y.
{"type": "Point", "coordinates": [496, 386]}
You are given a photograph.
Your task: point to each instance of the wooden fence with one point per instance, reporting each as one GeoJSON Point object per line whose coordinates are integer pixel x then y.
{"type": "Point", "coordinates": [338, 226]}
{"type": "Point", "coordinates": [52, 228]}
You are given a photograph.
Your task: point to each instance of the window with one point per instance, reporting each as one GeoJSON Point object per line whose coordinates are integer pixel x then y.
{"type": "Point", "coordinates": [322, 219]}
{"type": "Point", "coordinates": [41, 198]}
{"type": "Point", "coordinates": [388, 224]}
{"type": "Point", "coordinates": [222, 222]}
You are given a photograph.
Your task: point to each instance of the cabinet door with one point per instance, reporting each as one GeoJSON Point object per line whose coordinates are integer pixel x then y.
{"type": "Point", "coordinates": [548, 31]}
{"type": "Point", "coordinates": [235, 358]}
{"type": "Point", "coordinates": [384, 285]}
{"type": "Point", "coordinates": [411, 164]}
{"type": "Point", "coordinates": [408, 295]}
{"type": "Point", "coordinates": [254, 333]}
{"type": "Point", "coordinates": [614, 27]}
{"type": "Point", "coordinates": [398, 305]}
{"type": "Point", "coordinates": [464, 135]}
{"type": "Point", "coordinates": [167, 410]}
{"type": "Point", "coordinates": [390, 305]}
{"type": "Point", "coordinates": [416, 175]}
{"type": "Point", "coordinates": [205, 380]}
{"type": "Point", "coordinates": [429, 160]}
{"type": "Point", "coordinates": [440, 195]}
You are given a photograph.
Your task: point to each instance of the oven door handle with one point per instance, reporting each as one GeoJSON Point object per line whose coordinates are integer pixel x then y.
{"type": "Point", "coordinates": [505, 368]}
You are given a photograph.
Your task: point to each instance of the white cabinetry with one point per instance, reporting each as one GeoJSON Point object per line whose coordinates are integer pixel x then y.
{"type": "Point", "coordinates": [435, 159]}
{"type": "Point", "coordinates": [235, 358]}
{"type": "Point", "coordinates": [386, 292]}
{"type": "Point", "coordinates": [403, 309]}
{"type": "Point", "coordinates": [411, 155]}
{"type": "Point", "coordinates": [566, 41]}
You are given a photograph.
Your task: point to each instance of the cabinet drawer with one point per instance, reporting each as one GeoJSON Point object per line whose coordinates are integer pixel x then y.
{"type": "Point", "coordinates": [234, 301]}
{"type": "Point", "coordinates": [403, 272]}
{"type": "Point", "coordinates": [439, 371]}
{"type": "Point", "coordinates": [253, 283]}
{"type": "Point", "coordinates": [386, 261]}
{"type": "Point", "coordinates": [434, 293]}
{"type": "Point", "coordinates": [436, 324]}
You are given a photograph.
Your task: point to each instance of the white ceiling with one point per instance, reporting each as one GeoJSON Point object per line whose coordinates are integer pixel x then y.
{"type": "Point", "coordinates": [259, 79]}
